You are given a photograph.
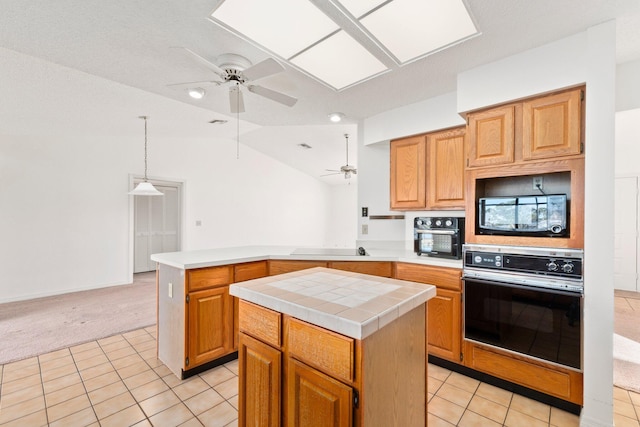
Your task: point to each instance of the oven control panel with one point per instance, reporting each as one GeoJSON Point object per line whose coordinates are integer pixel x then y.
{"type": "Point", "coordinates": [532, 264]}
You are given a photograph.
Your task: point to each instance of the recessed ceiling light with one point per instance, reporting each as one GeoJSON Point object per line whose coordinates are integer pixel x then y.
{"type": "Point", "coordinates": [196, 92]}
{"type": "Point", "coordinates": [336, 117]}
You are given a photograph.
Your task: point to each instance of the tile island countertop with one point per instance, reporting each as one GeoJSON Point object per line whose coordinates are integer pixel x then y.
{"type": "Point", "coordinates": [352, 304]}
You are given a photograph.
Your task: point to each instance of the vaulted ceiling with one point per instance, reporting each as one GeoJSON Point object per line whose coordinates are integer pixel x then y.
{"type": "Point", "coordinates": [134, 43]}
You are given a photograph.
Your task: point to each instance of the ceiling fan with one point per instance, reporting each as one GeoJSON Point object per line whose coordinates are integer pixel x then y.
{"type": "Point", "coordinates": [239, 71]}
{"type": "Point", "coordinates": [347, 169]}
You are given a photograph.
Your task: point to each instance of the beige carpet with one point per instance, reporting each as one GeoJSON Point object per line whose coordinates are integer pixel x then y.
{"type": "Point", "coordinates": [626, 341]}
{"type": "Point", "coordinates": [37, 326]}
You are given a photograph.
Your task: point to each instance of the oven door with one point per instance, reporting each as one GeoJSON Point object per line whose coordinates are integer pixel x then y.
{"type": "Point", "coordinates": [537, 322]}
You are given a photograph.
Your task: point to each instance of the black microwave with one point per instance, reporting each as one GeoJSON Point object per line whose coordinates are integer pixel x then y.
{"type": "Point", "coordinates": [543, 216]}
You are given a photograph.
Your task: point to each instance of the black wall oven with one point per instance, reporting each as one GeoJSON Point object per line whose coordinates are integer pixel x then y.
{"type": "Point", "coordinates": [525, 300]}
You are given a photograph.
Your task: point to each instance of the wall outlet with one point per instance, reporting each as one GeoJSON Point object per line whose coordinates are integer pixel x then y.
{"type": "Point", "coordinates": [537, 183]}
{"type": "Point", "coordinates": [198, 223]}
{"type": "Point", "coordinates": [365, 212]}
{"type": "Point", "coordinates": [365, 228]}
{"type": "Point", "coordinates": [170, 290]}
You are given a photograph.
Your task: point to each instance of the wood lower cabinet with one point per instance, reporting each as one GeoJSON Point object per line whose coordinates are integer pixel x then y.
{"type": "Point", "coordinates": [444, 324]}
{"type": "Point", "coordinates": [375, 268]}
{"type": "Point", "coordinates": [444, 321]}
{"type": "Point", "coordinates": [316, 399]}
{"type": "Point", "coordinates": [285, 266]}
{"type": "Point", "coordinates": [210, 330]}
{"type": "Point", "coordinates": [260, 368]}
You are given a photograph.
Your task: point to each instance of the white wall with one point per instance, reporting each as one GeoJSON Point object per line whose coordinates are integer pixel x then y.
{"type": "Point", "coordinates": [69, 142]}
{"type": "Point", "coordinates": [628, 86]}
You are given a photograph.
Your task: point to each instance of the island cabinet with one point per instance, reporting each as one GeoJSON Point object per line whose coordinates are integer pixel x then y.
{"type": "Point", "coordinates": [197, 317]}
{"type": "Point", "coordinates": [427, 171]}
{"type": "Point", "coordinates": [295, 372]}
{"type": "Point", "coordinates": [541, 128]}
{"type": "Point", "coordinates": [444, 314]}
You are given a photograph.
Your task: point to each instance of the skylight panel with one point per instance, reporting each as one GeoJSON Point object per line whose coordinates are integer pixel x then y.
{"type": "Point", "coordinates": [285, 27]}
{"type": "Point", "coordinates": [339, 61]}
{"type": "Point", "coordinates": [415, 28]}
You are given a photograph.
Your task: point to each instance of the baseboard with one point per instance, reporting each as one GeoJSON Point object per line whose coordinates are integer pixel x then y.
{"type": "Point", "coordinates": [60, 292]}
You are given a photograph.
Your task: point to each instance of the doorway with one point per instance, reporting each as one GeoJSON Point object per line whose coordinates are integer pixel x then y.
{"type": "Point", "coordinates": [625, 257]}
{"type": "Point", "coordinates": [157, 224]}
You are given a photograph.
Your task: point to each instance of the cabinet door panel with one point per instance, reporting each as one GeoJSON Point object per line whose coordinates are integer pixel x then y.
{"type": "Point", "coordinates": [315, 399]}
{"type": "Point", "coordinates": [283, 266]}
{"type": "Point", "coordinates": [210, 325]}
{"type": "Point", "coordinates": [408, 179]}
{"type": "Point", "coordinates": [552, 126]}
{"type": "Point", "coordinates": [202, 278]}
{"type": "Point", "coordinates": [444, 325]}
{"type": "Point", "coordinates": [259, 387]}
{"type": "Point", "coordinates": [375, 268]}
{"type": "Point", "coordinates": [446, 169]}
{"type": "Point", "coordinates": [492, 137]}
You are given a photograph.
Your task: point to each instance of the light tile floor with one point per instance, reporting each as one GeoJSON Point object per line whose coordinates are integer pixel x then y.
{"type": "Point", "coordinates": [118, 381]}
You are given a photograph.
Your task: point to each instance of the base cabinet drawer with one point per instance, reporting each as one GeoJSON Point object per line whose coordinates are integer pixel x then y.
{"type": "Point", "coordinates": [329, 352]}
{"type": "Point", "coordinates": [553, 380]}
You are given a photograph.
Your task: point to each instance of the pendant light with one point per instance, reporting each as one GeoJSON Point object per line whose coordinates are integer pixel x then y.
{"type": "Point", "coordinates": [145, 188]}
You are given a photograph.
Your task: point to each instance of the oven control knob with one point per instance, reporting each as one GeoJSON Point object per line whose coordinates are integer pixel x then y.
{"type": "Point", "coordinates": [567, 268]}
{"type": "Point", "coordinates": [428, 223]}
{"type": "Point", "coordinates": [418, 222]}
{"type": "Point", "coordinates": [438, 222]}
{"type": "Point", "coordinates": [552, 266]}
{"type": "Point", "coordinates": [448, 223]}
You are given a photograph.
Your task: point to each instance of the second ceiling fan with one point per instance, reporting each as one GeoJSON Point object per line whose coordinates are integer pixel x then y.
{"type": "Point", "coordinates": [239, 71]}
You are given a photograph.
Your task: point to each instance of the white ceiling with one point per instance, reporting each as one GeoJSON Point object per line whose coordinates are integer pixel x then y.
{"type": "Point", "coordinates": [131, 42]}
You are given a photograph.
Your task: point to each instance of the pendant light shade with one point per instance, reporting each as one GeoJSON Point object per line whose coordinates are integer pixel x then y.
{"type": "Point", "coordinates": [145, 188]}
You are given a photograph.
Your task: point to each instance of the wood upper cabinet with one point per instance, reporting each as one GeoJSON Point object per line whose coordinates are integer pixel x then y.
{"type": "Point", "coordinates": [445, 170]}
{"type": "Point", "coordinates": [491, 136]}
{"type": "Point", "coordinates": [408, 168]}
{"type": "Point", "coordinates": [210, 325]}
{"type": "Point", "coordinates": [427, 171]}
{"type": "Point", "coordinates": [552, 126]}
{"type": "Point", "coordinates": [315, 399]}
{"type": "Point", "coordinates": [548, 127]}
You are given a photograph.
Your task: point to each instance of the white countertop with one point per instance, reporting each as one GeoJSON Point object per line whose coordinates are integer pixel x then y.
{"type": "Point", "coordinates": [352, 304]}
{"type": "Point", "coordinates": [188, 260]}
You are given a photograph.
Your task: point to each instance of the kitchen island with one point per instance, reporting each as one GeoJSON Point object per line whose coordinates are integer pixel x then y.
{"type": "Point", "coordinates": [325, 347]}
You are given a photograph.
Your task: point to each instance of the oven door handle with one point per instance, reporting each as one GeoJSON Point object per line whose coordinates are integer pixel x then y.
{"type": "Point", "coordinates": [519, 286]}
{"type": "Point", "coordinates": [447, 232]}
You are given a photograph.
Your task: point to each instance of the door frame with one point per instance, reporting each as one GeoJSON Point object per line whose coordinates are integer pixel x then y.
{"type": "Point", "coordinates": [637, 177]}
{"type": "Point", "coordinates": [167, 182]}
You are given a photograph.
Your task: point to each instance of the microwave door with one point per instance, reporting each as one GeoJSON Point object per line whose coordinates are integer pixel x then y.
{"type": "Point", "coordinates": [426, 240]}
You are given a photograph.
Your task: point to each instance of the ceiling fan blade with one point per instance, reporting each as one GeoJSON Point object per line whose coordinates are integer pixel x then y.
{"type": "Point", "coordinates": [201, 83]}
{"type": "Point", "coordinates": [203, 61]}
{"type": "Point", "coordinates": [263, 69]}
{"type": "Point", "coordinates": [287, 100]}
{"type": "Point", "coordinates": [235, 99]}
{"type": "Point", "coordinates": [335, 173]}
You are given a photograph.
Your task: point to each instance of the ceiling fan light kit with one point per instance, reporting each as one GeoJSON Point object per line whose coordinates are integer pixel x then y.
{"type": "Point", "coordinates": [196, 92]}
{"type": "Point", "coordinates": [239, 71]}
{"type": "Point", "coordinates": [336, 117]}
{"type": "Point", "coordinates": [145, 188]}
